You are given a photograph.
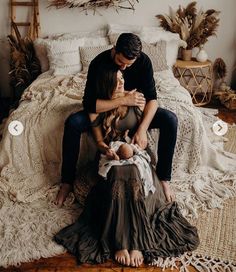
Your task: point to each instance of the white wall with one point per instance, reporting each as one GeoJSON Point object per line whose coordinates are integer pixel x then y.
{"type": "Point", "coordinates": [67, 20]}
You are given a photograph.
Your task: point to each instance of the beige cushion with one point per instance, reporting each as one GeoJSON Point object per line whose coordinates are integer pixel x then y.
{"type": "Point", "coordinates": [157, 54]}
{"type": "Point", "coordinates": [63, 56]}
{"type": "Point", "coordinates": [87, 54]}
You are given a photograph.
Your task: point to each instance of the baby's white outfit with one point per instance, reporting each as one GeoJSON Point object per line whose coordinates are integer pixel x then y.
{"type": "Point", "coordinates": [140, 158]}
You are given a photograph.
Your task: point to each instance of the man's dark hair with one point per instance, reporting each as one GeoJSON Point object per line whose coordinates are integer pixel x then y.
{"type": "Point", "coordinates": [129, 45]}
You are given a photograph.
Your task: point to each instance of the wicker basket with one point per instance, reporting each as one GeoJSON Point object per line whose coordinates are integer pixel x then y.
{"type": "Point", "coordinates": [227, 98]}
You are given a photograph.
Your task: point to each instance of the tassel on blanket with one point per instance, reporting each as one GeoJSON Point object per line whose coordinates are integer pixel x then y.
{"type": "Point", "coordinates": [212, 197]}
{"type": "Point", "coordinates": [200, 263]}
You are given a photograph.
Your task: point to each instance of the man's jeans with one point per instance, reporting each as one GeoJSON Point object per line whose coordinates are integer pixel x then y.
{"type": "Point", "coordinates": [79, 122]}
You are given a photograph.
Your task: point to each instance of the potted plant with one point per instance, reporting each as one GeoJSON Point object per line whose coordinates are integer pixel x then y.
{"type": "Point", "coordinates": [194, 27]}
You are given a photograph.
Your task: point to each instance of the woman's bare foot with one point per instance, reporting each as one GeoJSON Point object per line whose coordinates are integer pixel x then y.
{"type": "Point", "coordinates": [136, 258]}
{"type": "Point", "coordinates": [63, 193]}
{"type": "Point", "coordinates": [167, 191]}
{"type": "Point", "coordinates": [122, 257]}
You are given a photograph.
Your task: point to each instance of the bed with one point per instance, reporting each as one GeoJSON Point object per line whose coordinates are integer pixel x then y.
{"type": "Point", "coordinates": [204, 174]}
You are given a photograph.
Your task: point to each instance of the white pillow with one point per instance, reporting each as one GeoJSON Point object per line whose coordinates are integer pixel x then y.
{"type": "Point", "coordinates": [156, 34]}
{"type": "Point", "coordinates": [80, 34]}
{"type": "Point", "coordinates": [87, 54]}
{"type": "Point", "coordinates": [173, 41]}
{"type": "Point", "coordinates": [114, 30]}
{"type": "Point", "coordinates": [93, 38]}
{"type": "Point", "coordinates": [64, 57]}
{"type": "Point", "coordinates": [96, 41]}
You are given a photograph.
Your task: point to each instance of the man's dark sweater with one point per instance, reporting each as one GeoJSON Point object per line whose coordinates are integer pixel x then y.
{"type": "Point", "coordinates": [138, 76]}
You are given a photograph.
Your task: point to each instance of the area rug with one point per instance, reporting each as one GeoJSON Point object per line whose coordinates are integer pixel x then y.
{"type": "Point", "coordinates": [217, 249]}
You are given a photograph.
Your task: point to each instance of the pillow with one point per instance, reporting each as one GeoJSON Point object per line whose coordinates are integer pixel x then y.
{"type": "Point", "coordinates": [114, 30]}
{"type": "Point", "coordinates": [173, 41]}
{"type": "Point", "coordinates": [41, 54]}
{"type": "Point", "coordinates": [93, 38]}
{"type": "Point", "coordinates": [87, 54]}
{"type": "Point", "coordinates": [96, 41]}
{"type": "Point", "coordinates": [157, 54]}
{"type": "Point", "coordinates": [63, 55]}
{"type": "Point", "coordinates": [80, 34]}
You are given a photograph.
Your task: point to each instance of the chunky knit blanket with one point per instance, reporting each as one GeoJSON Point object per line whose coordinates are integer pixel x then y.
{"type": "Point", "coordinates": [203, 173]}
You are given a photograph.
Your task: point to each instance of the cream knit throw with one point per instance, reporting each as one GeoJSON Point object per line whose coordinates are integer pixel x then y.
{"type": "Point", "coordinates": [203, 174]}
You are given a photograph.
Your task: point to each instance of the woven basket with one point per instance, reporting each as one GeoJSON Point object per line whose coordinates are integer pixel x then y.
{"type": "Point", "coordinates": [227, 98]}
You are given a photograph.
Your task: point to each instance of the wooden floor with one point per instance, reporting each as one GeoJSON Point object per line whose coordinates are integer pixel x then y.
{"type": "Point", "coordinates": [67, 263]}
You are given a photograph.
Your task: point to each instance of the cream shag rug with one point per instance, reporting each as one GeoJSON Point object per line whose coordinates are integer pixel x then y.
{"type": "Point", "coordinates": [217, 249]}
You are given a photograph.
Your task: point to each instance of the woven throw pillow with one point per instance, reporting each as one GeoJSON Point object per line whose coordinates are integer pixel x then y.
{"type": "Point", "coordinates": [64, 57]}
{"type": "Point", "coordinates": [87, 54]}
{"type": "Point", "coordinates": [157, 54]}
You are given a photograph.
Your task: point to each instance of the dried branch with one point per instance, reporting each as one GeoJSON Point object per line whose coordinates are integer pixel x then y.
{"type": "Point", "coordinates": [86, 5]}
{"type": "Point", "coordinates": [219, 68]}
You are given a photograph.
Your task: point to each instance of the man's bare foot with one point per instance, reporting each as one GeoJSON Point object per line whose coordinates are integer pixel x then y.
{"type": "Point", "coordinates": [136, 258]}
{"type": "Point", "coordinates": [63, 193]}
{"type": "Point", "coordinates": [170, 196]}
{"type": "Point", "coordinates": [122, 257]}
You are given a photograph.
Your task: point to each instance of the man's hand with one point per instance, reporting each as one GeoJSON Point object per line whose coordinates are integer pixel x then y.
{"type": "Point", "coordinates": [140, 138]}
{"type": "Point", "coordinates": [134, 98]}
{"type": "Point", "coordinates": [170, 196]}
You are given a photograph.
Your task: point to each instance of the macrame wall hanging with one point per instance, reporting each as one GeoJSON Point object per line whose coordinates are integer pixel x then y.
{"type": "Point", "coordinates": [86, 5]}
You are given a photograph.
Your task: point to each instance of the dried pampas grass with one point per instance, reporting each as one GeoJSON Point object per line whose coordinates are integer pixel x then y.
{"type": "Point", "coordinates": [194, 27]}
{"type": "Point", "coordinates": [24, 65]}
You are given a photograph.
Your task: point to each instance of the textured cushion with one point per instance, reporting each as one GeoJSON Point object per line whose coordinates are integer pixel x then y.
{"type": "Point", "coordinates": [64, 57]}
{"type": "Point", "coordinates": [41, 54]}
{"type": "Point", "coordinates": [87, 54]}
{"type": "Point", "coordinates": [157, 54]}
{"type": "Point", "coordinates": [173, 42]}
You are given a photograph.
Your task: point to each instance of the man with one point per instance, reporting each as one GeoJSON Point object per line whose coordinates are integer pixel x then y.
{"type": "Point", "coordinates": [138, 75]}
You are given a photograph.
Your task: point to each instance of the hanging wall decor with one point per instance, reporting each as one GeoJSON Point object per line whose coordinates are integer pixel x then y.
{"type": "Point", "coordinates": [86, 5]}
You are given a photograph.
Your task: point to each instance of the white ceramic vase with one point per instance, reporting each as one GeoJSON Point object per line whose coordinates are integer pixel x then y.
{"type": "Point", "coordinates": [202, 54]}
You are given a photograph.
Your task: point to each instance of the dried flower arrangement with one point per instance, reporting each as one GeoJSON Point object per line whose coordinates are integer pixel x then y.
{"type": "Point", "coordinates": [24, 65]}
{"type": "Point", "coordinates": [194, 27]}
{"type": "Point", "coordinates": [223, 92]}
{"type": "Point", "coordinates": [86, 5]}
{"type": "Point", "coordinates": [219, 69]}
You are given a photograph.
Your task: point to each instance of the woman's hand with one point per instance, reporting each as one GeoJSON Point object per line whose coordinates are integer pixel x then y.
{"type": "Point", "coordinates": [111, 155]}
{"type": "Point", "coordinates": [140, 138]}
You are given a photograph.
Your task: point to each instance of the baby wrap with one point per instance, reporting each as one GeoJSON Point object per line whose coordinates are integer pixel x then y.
{"type": "Point", "coordinates": [140, 158]}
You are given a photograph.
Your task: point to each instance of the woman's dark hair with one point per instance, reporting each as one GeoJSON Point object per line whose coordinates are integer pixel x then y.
{"type": "Point", "coordinates": [129, 45]}
{"type": "Point", "coordinates": [106, 81]}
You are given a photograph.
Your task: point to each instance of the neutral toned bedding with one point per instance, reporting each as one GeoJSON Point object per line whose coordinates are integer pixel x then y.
{"type": "Point", "coordinates": [203, 174]}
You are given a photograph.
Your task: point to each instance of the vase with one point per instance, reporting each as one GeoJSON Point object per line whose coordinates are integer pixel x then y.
{"type": "Point", "coordinates": [202, 54]}
{"type": "Point", "coordinates": [187, 54]}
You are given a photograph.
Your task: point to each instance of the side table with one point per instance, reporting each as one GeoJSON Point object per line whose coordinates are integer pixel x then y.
{"type": "Point", "coordinates": [197, 78]}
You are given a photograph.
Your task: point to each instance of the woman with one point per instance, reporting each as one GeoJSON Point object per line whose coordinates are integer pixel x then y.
{"type": "Point", "coordinates": [119, 221]}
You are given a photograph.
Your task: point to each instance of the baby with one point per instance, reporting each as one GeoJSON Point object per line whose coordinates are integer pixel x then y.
{"type": "Point", "coordinates": [125, 151]}
{"type": "Point", "coordinates": [125, 154]}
